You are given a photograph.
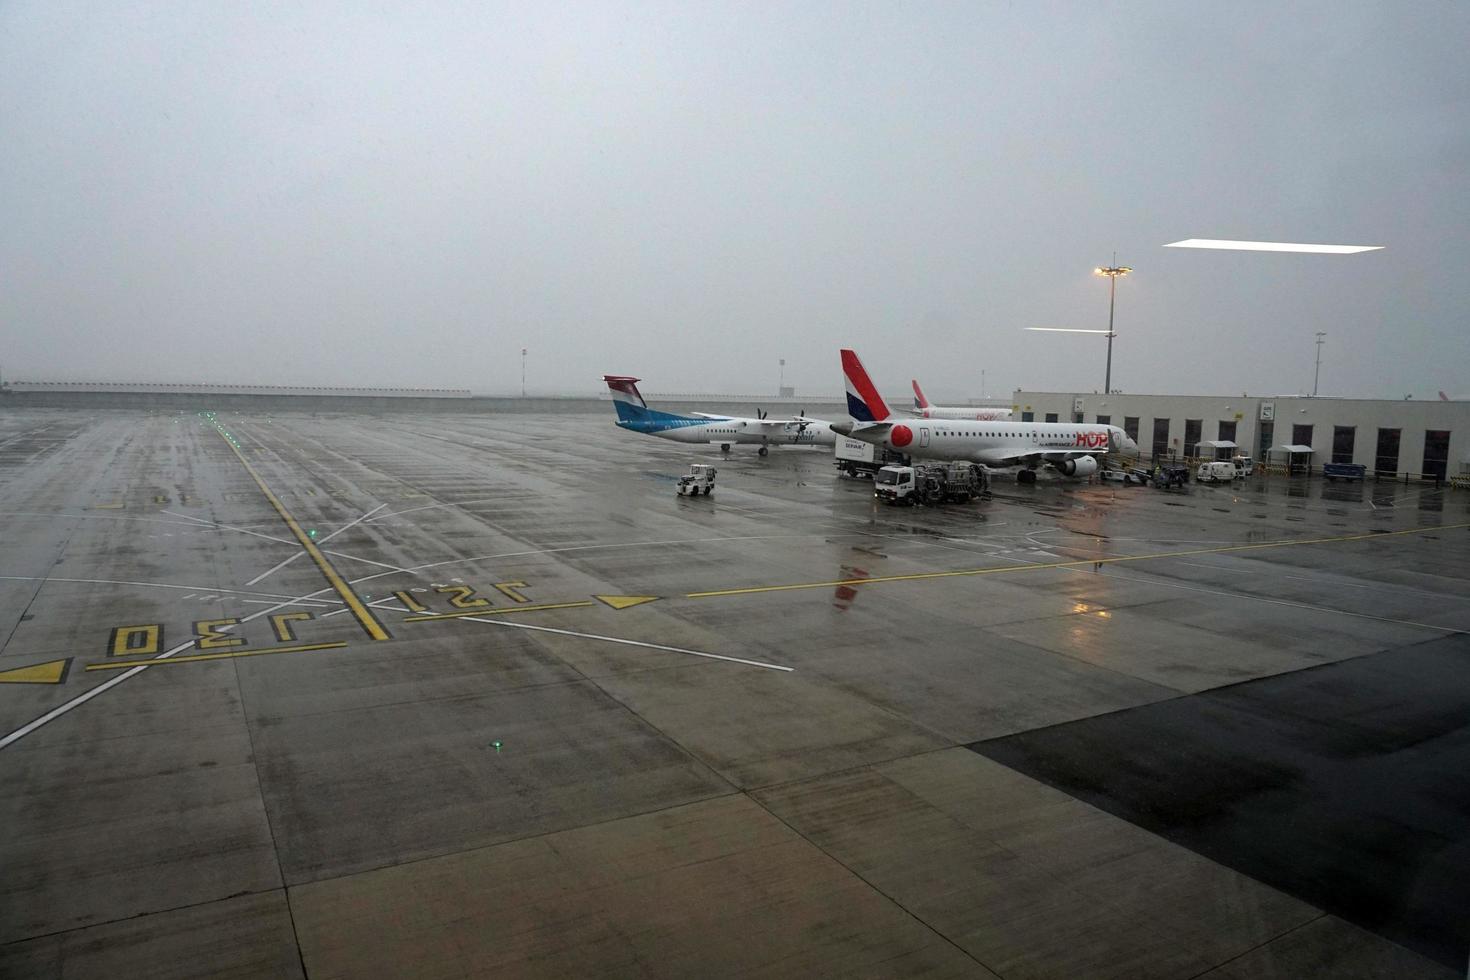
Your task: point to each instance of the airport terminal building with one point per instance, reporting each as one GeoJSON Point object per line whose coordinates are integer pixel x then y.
{"type": "Point", "coordinates": [1391, 438]}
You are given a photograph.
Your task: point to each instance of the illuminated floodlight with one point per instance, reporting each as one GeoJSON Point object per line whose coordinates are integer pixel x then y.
{"type": "Point", "coordinates": [1272, 246]}
{"type": "Point", "coordinates": [1067, 330]}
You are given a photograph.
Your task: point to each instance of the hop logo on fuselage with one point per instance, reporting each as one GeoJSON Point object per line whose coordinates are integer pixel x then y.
{"type": "Point", "coordinates": [1092, 440]}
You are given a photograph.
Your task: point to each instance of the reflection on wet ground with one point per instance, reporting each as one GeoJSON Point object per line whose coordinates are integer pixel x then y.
{"type": "Point", "coordinates": [594, 690]}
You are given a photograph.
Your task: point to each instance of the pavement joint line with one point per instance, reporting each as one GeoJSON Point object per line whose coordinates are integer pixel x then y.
{"type": "Point", "coordinates": [631, 643]}
{"type": "Point", "coordinates": [1077, 563]}
{"type": "Point", "coordinates": [228, 655]}
{"type": "Point", "coordinates": [364, 616]}
{"type": "Point", "coordinates": [1297, 604]}
{"type": "Point", "coordinates": [499, 612]}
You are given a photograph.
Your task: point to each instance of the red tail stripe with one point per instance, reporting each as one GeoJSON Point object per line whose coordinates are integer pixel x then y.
{"type": "Point", "coordinates": [853, 368]}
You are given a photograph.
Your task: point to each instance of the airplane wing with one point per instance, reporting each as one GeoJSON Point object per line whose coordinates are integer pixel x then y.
{"type": "Point", "coordinates": [706, 415]}
{"type": "Point", "coordinates": [1020, 454]}
{"type": "Point", "coordinates": [869, 432]}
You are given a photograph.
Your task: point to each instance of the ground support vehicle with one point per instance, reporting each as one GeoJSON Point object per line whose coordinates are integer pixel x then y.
{"type": "Point", "coordinates": [931, 483]}
{"type": "Point", "coordinates": [1131, 474]}
{"type": "Point", "coordinates": [1216, 472]}
{"type": "Point", "coordinates": [1344, 471]}
{"type": "Point", "coordinates": [1170, 476]}
{"type": "Point", "coordinates": [1244, 465]}
{"type": "Point", "coordinates": [857, 458]}
{"type": "Point", "coordinates": [701, 476]}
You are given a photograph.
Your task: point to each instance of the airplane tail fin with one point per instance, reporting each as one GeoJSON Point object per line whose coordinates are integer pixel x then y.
{"type": "Point", "coordinates": [1443, 397]}
{"type": "Point", "coordinates": [920, 402]}
{"type": "Point", "coordinates": [627, 401]}
{"type": "Point", "coordinates": [864, 403]}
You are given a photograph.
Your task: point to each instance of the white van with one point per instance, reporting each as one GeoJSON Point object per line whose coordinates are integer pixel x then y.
{"type": "Point", "coordinates": [1215, 472]}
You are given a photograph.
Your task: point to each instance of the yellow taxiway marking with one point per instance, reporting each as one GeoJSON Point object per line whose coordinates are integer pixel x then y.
{"type": "Point", "coordinates": [194, 658]}
{"type": "Point", "coordinates": [1078, 563]}
{"type": "Point", "coordinates": [615, 601]}
{"type": "Point", "coordinates": [498, 612]}
{"type": "Point", "coordinates": [365, 618]}
{"type": "Point", "coordinates": [51, 672]}
{"type": "Point", "coordinates": [625, 601]}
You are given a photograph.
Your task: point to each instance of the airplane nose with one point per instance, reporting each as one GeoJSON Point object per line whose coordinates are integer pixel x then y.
{"type": "Point", "coordinates": [842, 428]}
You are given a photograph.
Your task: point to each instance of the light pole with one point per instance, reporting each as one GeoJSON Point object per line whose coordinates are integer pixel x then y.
{"type": "Point", "coordinates": [523, 372]}
{"type": "Point", "coordinates": [1112, 272]}
{"type": "Point", "coordinates": [1317, 372]}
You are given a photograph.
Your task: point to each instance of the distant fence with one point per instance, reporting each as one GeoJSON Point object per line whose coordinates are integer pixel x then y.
{"type": "Point", "coordinates": [157, 387]}
{"type": "Point", "coordinates": [367, 401]}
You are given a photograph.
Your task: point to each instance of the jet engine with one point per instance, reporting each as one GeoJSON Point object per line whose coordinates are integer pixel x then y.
{"type": "Point", "coordinates": [1081, 466]}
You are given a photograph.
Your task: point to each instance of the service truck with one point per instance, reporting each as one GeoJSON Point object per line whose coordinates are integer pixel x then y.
{"type": "Point", "coordinates": [700, 477]}
{"type": "Point", "coordinates": [931, 483]}
{"type": "Point", "coordinates": [857, 458]}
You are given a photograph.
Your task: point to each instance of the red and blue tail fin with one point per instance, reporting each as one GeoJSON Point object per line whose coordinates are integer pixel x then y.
{"type": "Point", "coordinates": [864, 403]}
{"type": "Point", "coordinates": [920, 402]}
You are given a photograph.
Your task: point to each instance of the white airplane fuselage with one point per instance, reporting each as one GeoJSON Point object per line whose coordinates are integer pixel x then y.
{"type": "Point", "coordinates": [1000, 443]}
{"type": "Point", "coordinates": [733, 431]}
{"type": "Point", "coordinates": [976, 414]}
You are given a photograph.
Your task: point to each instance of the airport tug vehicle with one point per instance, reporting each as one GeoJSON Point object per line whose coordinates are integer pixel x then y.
{"type": "Point", "coordinates": [701, 477]}
{"type": "Point", "coordinates": [931, 483]}
{"type": "Point", "coordinates": [1170, 476]}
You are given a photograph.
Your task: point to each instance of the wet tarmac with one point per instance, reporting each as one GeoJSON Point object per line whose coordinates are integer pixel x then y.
{"type": "Point", "coordinates": [480, 695]}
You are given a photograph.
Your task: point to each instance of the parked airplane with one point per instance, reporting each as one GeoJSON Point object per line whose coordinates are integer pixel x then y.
{"type": "Point", "coordinates": [924, 410]}
{"type": "Point", "coordinates": [1072, 449]}
{"type": "Point", "coordinates": [720, 430]}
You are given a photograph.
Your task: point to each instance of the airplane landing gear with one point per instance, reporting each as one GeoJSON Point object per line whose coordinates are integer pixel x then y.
{"type": "Point", "coordinates": [762, 451]}
{"type": "Point", "coordinates": [724, 447]}
{"type": "Point", "coordinates": [1026, 476]}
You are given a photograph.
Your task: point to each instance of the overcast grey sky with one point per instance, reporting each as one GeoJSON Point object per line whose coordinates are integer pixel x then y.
{"type": "Point", "coordinates": [384, 194]}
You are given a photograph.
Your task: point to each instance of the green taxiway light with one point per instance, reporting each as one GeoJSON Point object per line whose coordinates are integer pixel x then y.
{"type": "Point", "coordinates": [311, 533]}
{"type": "Point", "coordinates": [496, 743]}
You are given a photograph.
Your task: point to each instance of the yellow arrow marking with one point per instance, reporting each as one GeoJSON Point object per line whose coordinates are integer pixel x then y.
{"type": "Point", "coordinates": [625, 601]}
{"type": "Point", "coordinates": [51, 672]}
{"type": "Point", "coordinates": [498, 612]}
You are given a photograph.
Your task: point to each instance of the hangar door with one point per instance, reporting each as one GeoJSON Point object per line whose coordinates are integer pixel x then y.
{"type": "Point", "coordinates": [1436, 453]}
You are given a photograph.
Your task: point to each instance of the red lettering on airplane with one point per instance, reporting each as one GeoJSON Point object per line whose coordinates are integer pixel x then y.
{"type": "Point", "coordinates": [1092, 440]}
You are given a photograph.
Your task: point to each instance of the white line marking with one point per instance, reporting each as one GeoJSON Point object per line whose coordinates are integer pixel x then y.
{"type": "Point", "coordinates": [277, 567]}
{"type": "Point", "coordinates": [271, 571]}
{"type": "Point", "coordinates": [369, 561]}
{"type": "Point", "coordinates": [23, 435]}
{"type": "Point", "coordinates": [108, 685]}
{"type": "Point", "coordinates": [631, 643]}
